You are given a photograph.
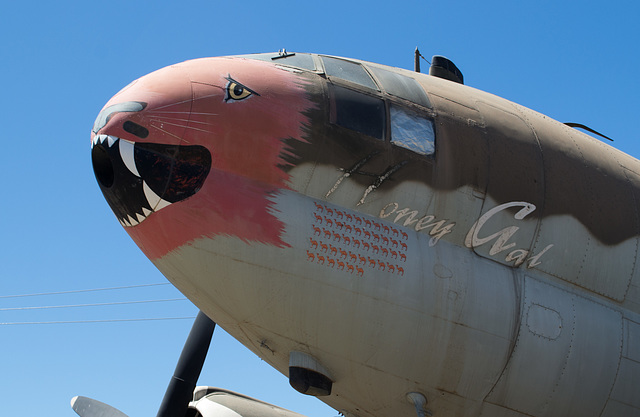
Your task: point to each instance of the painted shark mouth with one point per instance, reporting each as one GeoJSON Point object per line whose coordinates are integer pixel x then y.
{"type": "Point", "coordinates": [140, 178]}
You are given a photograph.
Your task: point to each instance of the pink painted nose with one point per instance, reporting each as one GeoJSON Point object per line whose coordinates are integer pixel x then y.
{"type": "Point", "coordinates": [138, 154]}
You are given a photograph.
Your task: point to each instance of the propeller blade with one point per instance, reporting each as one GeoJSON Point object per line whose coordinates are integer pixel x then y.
{"type": "Point", "coordinates": [88, 407]}
{"type": "Point", "coordinates": [180, 390]}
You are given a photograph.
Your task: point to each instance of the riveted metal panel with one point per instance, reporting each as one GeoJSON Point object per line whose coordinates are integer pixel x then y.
{"type": "Point", "coordinates": [515, 174]}
{"type": "Point", "coordinates": [547, 366]}
{"type": "Point", "coordinates": [590, 210]}
{"type": "Point", "coordinates": [625, 396]}
{"type": "Point", "coordinates": [627, 388]}
{"type": "Point", "coordinates": [631, 348]}
{"type": "Point", "coordinates": [618, 409]}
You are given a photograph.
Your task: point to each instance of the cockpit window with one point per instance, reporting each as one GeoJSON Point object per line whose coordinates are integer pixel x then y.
{"type": "Point", "coordinates": [401, 86]}
{"type": "Point", "coordinates": [296, 60]}
{"type": "Point", "coordinates": [358, 111]}
{"type": "Point", "coordinates": [412, 130]}
{"type": "Point", "coordinates": [349, 71]}
{"type": "Point", "coordinates": [304, 61]}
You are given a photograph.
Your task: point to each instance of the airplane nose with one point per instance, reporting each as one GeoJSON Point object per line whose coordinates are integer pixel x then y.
{"type": "Point", "coordinates": [209, 142]}
{"type": "Point", "coordinates": [139, 178]}
{"type": "Point", "coordinates": [138, 152]}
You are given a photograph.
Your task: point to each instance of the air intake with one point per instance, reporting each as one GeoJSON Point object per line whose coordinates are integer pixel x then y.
{"type": "Point", "coordinates": [442, 67]}
{"type": "Point", "coordinates": [308, 376]}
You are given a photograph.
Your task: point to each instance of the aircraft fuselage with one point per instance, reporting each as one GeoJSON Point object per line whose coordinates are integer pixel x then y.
{"type": "Point", "coordinates": [409, 233]}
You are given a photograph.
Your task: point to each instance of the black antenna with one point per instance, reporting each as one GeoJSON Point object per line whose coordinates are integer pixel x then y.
{"type": "Point", "coordinates": [587, 128]}
{"type": "Point", "coordinates": [416, 60]}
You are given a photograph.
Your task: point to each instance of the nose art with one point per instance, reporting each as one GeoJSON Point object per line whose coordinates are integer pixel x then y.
{"type": "Point", "coordinates": [139, 178]}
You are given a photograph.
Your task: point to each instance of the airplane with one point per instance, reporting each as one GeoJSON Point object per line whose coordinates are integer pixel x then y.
{"type": "Point", "coordinates": [396, 243]}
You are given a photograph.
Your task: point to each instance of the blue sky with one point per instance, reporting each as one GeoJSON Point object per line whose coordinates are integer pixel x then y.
{"type": "Point", "coordinates": [61, 61]}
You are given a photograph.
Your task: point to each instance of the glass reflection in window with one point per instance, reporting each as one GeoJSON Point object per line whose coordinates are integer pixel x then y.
{"type": "Point", "coordinates": [412, 131]}
{"type": "Point", "coordinates": [401, 86]}
{"type": "Point", "coordinates": [347, 70]}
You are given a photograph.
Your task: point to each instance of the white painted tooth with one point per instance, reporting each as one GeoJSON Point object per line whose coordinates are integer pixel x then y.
{"type": "Point", "coordinates": [140, 217]}
{"type": "Point", "coordinates": [152, 198]}
{"type": "Point", "coordinates": [126, 153]}
{"type": "Point", "coordinates": [94, 141]}
{"type": "Point", "coordinates": [155, 202]}
{"type": "Point", "coordinates": [111, 140]}
{"type": "Point", "coordinates": [133, 221]}
{"type": "Point", "coordinates": [162, 204]}
{"type": "Point", "coordinates": [146, 212]}
{"type": "Point", "coordinates": [124, 222]}
{"type": "Point", "coordinates": [101, 138]}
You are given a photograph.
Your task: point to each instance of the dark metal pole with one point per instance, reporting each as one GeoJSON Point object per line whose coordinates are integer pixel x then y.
{"type": "Point", "coordinates": [416, 61]}
{"type": "Point", "coordinates": [180, 390]}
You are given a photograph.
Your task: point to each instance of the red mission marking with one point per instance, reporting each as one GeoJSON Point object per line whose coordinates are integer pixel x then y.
{"type": "Point", "coordinates": [360, 243]}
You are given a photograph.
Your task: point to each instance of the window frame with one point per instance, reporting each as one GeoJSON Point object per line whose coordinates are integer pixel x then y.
{"type": "Point", "coordinates": [419, 111]}
{"type": "Point", "coordinates": [388, 99]}
{"type": "Point", "coordinates": [347, 83]}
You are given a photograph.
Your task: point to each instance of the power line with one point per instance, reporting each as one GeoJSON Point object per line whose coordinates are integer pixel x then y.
{"type": "Point", "coordinates": [90, 305]}
{"type": "Point", "coordinates": [86, 290]}
{"type": "Point", "coordinates": [93, 304]}
{"type": "Point", "coordinates": [95, 321]}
